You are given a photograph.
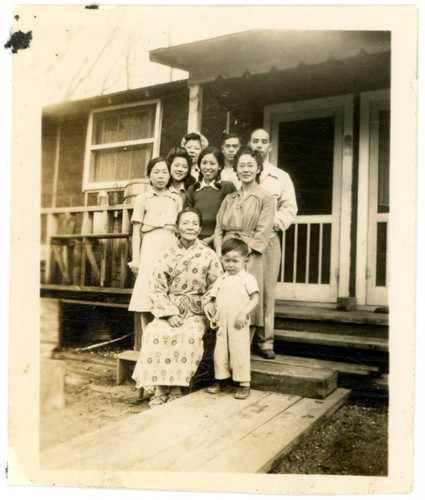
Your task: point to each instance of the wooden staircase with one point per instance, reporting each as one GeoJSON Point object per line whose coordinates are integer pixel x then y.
{"type": "Point", "coordinates": [355, 343]}
{"type": "Point", "coordinates": [318, 349]}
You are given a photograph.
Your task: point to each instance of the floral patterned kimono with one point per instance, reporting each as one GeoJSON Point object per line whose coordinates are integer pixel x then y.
{"type": "Point", "coordinates": [170, 356]}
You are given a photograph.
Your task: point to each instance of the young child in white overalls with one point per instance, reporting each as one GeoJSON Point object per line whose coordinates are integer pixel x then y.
{"type": "Point", "coordinates": [228, 305]}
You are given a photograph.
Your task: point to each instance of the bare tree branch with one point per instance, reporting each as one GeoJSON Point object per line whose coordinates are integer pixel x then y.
{"type": "Point", "coordinates": [82, 76]}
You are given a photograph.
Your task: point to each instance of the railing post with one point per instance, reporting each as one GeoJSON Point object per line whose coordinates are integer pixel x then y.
{"type": "Point", "coordinates": [52, 226]}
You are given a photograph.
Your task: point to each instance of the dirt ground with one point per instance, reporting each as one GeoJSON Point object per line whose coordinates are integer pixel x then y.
{"type": "Point", "coordinates": [353, 441]}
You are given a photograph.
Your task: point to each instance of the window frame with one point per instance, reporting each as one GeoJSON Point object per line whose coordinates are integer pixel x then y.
{"type": "Point", "coordinates": [90, 148]}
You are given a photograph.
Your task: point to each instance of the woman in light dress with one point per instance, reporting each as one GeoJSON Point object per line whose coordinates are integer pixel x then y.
{"type": "Point", "coordinates": [172, 344]}
{"type": "Point", "coordinates": [154, 217]}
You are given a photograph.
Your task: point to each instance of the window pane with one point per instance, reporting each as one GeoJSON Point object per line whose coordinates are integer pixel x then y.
{"type": "Point", "coordinates": [144, 122]}
{"type": "Point", "coordinates": [120, 164]}
{"type": "Point", "coordinates": [103, 165]}
{"type": "Point", "coordinates": [124, 125]}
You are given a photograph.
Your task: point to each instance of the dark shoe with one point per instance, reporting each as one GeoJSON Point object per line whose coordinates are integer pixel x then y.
{"type": "Point", "coordinates": [267, 353]}
{"type": "Point", "coordinates": [215, 388]}
{"type": "Point", "coordinates": [242, 392]}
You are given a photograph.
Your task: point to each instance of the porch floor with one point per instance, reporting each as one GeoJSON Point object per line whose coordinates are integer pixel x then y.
{"type": "Point", "coordinates": [199, 432]}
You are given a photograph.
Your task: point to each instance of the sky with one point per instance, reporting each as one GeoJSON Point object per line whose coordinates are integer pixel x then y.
{"type": "Point", "coordinates": [79, 52]}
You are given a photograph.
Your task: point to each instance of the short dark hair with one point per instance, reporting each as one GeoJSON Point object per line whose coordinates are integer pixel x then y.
{"type": "Point", "coordinates": [153, 162]}
{"type": "Point", "coordinates": [258, 157]}
{"type": "Point", "coordinates": [219, 156]}
{"type": "Point", "coordinates": [235, 244]}
{"type": "Point", "coordinates": [192, 136]}
{"type": "Point", "coordinates": [179, 152]}
{"type": "Point", "coordinates": [188, 210]}
{"type": "Point", "coordinates": [231, 135]}
{"type": "Point", "coordinates": [264, 130]}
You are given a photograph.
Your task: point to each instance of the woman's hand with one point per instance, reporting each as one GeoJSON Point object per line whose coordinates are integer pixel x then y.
{"type": "Point", "coordinates": [175, 321]}
{"type": "Point", "coordinates": [134, 267]}
{"type": "Point", "coordinates": [241, 320]}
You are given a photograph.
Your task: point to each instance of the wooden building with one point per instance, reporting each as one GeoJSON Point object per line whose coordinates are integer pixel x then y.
{"type": "Point", "coordinates": [325, 98]}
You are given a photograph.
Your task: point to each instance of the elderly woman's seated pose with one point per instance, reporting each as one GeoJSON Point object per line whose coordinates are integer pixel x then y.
{"type": "Point", "coordinates": [172, 345]}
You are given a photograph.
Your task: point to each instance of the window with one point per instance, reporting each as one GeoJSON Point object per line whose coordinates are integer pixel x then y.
{"type": "Point", "coordinates": [120, 143]}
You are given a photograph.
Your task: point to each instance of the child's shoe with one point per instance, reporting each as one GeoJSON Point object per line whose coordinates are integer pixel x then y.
{"type": "Point", "coordinates": [242, 392]}
{"type": "Point", "coordinates": [216, 388]}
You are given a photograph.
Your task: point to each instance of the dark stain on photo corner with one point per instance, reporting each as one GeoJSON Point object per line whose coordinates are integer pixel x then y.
{"type": "Point", "coordinates": [18, 41]}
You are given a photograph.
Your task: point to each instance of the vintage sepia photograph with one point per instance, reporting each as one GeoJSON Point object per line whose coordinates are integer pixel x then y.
{"type": "Point", "coordinates": [217, 232]}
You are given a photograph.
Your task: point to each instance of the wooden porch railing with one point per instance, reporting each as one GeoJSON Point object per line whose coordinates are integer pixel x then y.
{"type": "Point", "coordinates": [306, 251]}
{"type": "Point", "coordinates": [87, 246]}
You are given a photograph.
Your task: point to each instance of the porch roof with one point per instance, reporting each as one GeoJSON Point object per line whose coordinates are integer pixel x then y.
{"type": "Point", "coordinates": [259, 51]}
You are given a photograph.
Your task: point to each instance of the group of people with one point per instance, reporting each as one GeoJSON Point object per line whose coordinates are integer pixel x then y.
{"type": "Point", "coordinates": [206, 254]}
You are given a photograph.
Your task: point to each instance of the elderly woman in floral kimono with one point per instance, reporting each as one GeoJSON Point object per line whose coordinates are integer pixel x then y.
{"type": "Point", "coordinates": [172, 345]}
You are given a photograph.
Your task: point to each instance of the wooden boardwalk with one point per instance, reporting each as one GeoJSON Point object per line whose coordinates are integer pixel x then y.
{"type": "Point", "coordinates": [199, 432]}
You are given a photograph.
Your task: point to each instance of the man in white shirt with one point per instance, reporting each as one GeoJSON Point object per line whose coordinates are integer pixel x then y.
{"type": "Point", "coordinates": [230, 146]}
{"type": "Point", "coordinates": [279, 183]}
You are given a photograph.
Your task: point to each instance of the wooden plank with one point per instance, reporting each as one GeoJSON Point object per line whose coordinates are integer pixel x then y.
{"type": "Point", "coordinates": [50, 324]}
{"type": "Point", "coordinates": [103, 264]}
{"type": "Point", "coordinates": [349, 368]}
{"type": "Point", "coordinates": [83, 263]}
{"type": "Point", "coordinates": [123, 263]}
{"type": "Point", "coordinates": [51, 228]}
{"type": "Point", "coordinates": [92, 259]}
{"type": "Point", "coordinates": [329, 314]}
{"type": "Point", "coordinates": [222, 431]}
{"type": "Point", "coordinates": [126, 225]}
{"type": "Point", "coordinates": [94, 448]}
{"type": "Point", "coordinates": [194, 119]}
{"type": "Point", "coordinates": [262, 448]}
{"type": "Point", "coordinates": [91, 208]}
{"type": "Point", "coordinates": [128, 355]}
{"type": "Point", "coordinates": [87, 225]}
{"type": "Point", "coordinates": [93, 303]}
{"type": "Point", "coordinates": [304, 381]}
{"type": "Point", "coordinates": [380, 383]}
{"type": "Point", "coordinates": [140, 437]}
{"type": "Point", "coordinates": [87, 289]}
{"type": "Point", "coordinates": [52, 385]}
{"type": "Point", "coordinates": [62, 266]}
{"type": "Point", "coordinates": [350, 341]}
{"type": "Point", "coordinates": [76, 263]}
{"type": "Point", "coordinates": [85, 358]}
{"type": "Point", "coordinates": [103, 236]}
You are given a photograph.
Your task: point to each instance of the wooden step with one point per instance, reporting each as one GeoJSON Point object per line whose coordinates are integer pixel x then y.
{"type": "Point", "coordinates": [330, 339]}
{"type": "Point", "coordinates": [342, 368]}
{"type": "Point", "coordinates": [199, 432]}
{"type": "Point", "coordinates": [331, 314]}
{"type": "Point", "coordinates": [287, 379]}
